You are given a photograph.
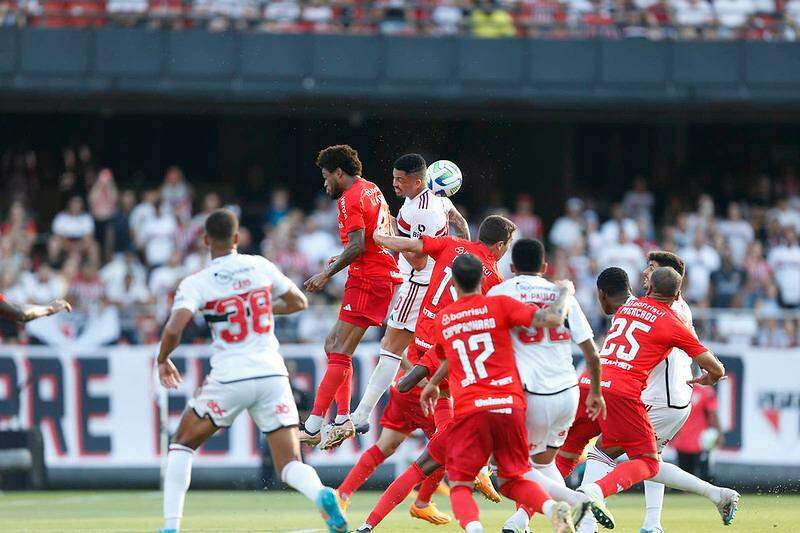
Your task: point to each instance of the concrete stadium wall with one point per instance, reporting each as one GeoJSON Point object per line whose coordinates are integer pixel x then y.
{"type": "Point", "coordinates": [257, 68]}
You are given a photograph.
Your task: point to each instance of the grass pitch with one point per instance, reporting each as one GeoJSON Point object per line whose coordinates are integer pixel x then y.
{"type": "Point", "coordinates": [238, 511]}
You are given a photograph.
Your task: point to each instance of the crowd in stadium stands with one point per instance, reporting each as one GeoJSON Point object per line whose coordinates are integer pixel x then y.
{"type": "Point", "coordinates": [651, 19]}
{"type": "Point", "coordinates": [118, 254]}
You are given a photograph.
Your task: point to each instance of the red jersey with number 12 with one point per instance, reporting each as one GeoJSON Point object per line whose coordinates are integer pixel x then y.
{"type": "Point", "coordinates": [363, 206]}
{"type": "Point", "coordinates": [473, 335]}
{"type": "Point", "coordinates": [441, 292]}
{"type": "Point", "coordinates": [643, 332]}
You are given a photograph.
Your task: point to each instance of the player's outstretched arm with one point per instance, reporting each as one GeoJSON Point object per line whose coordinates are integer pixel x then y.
{"type": "Point", "coordinates": [28, 312]}
{"type": "Point", "coordinates": [595, 404]}
{"type": "Point", "coordinates": [459, 223]}
{"type": "Point", "coordinates": [713, 370]}
{"type": "Point", "coordinates": [554, 314]}
{"type": "Point", "coordinates": [290, 302]}
{"type": "Point", "coordinates": [170, 338]}
{"type": "Point", "coordinates": [355, 247]}
{"type": "Point", "coordinates": [412, 378]}
{"type": "Point", "coordinates": [397, 244]}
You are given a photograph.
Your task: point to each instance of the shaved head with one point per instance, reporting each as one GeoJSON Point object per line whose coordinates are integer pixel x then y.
{"type": "Point", "coordinates": [665, 282]}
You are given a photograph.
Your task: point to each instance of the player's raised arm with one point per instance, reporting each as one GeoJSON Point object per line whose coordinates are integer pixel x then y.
{"type": "Point", "coordinates": [170, 338]}
{"type": "Point", "coordinates": [554, 314]}
{"type": "Point", "coordinates": [355, 247]}
{"type": "Point", "coordinates": [28, 312]}
{"type": "Point", "coordinates": [397, 244]}
{"type": "Point", "coordinates": [459, 223]}
{"type": "Point", "coordinates": [713, 369]}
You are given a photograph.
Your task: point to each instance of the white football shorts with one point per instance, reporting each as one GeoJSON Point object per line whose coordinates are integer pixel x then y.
{"type": "Point", "coordinates": [666, 421]}
{"type": "Point", "coordinates": [406, 309]}
{"type": "Point", "coordinates": [269, 400]}
{"type": "Point", "coordinates": [549, 417]}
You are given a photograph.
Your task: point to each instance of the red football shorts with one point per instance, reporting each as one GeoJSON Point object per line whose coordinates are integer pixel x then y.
{"type": "Point", "coordinates": [403, 413]}
{"type": "Point", "coordinates": [626, 426]}
{"type": "Point", "coordinates": [475, 437]}
{"type": "Point", "coordinates": [366, 301]}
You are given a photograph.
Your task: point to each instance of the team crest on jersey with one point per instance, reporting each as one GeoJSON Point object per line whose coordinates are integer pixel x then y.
{"type": "Point", "coordinates": [460, 250]}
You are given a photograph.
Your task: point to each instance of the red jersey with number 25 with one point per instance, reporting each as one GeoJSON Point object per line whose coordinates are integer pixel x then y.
{"type": "Point", "coordinates": [441, 291]}
{"type": "Point", "coordinates": [363, 206]}
{"type": "Point", "coordinates": [473, 335]}
{"type": "Point", "coordinates": [643, 332]}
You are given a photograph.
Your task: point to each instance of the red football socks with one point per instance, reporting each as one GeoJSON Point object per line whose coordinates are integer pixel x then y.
{"type": "Point", "coordinates": [366, 465]}
{"type": "Point", "coordinates": [463, 505]}
{"type": "Point", "coordinates": [566, 465]}
{"type": "Point", "coordinates": [396, 493]}
{"type": "Point", "coordinates": [429, 486]}
{"type": "Point", "coordinates": [627, 474]}
{"type": "Point", "coordinates": [340, 367]}
{"type": "Point", "coordinates": [344, 392]}
{"type": "Point", "coordinates": [529, 495]}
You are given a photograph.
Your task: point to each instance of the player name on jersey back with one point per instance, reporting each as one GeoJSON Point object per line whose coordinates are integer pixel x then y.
{"type": "Point", "coordinates": [544, 356]}
{"type": "Point", "coordinates": [425, 214]}
{"type": "Point", "coordinates": [233, 293]}
{"type": "Point", "coordinates": [642, 333]}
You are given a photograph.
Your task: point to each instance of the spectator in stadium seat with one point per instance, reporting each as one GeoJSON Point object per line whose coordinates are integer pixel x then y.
{"type": "Point", "coordinates": [784, 260]}
{"type": "Point", "coordinates": [529, 225]}
{"type": "Point", "coordinates": [619, 222]}
{"type": "Point", "coordinates": [144, 211]}
{"type": "Point", "coordinates": [18, 231]}
{"type": "Point", "coordinates": [42, 286]}
{"type": "Point", "coordinates": [447, 18]}
{"type": "Point", "coordinates": [317, 16]}
{"type": "Point", "coordinates": [278, 208]}
{"type": "Point", "coordinates": [693, 17]}
{"type": "Point", "coordinates": [176, 193]}
{"type": "Point", "coordinates": [759, 274]}
{"type": "Point", "coordinates": [316, 245]}
{"type": "Point", "coordinates": [103, 198]}
{"type": "Point", "coordinates": [395, 17]}
{"type": "Point", "coordinates": [281, 16]}
{"type": "Point", "coordinates": [156, 236]}
{"type": "Point", "coordinates": [785, 214]}
{"type": "Point", "coordinates": [73, 232]}
{"type": "Point", "coordinates": [727, 282]}
{"type": "Point", "coordinates": [732, 16]}
{"type": "Point", "coordinates": [121, 235]}
{"type": "Point", "coordinates": [568, 227]}
{"type": "Point", "coordinates": [490, 21]}
{"type": "Point", "coordinates": [623, 253]}
{"type": "Point", "coordinates": [127, 12]}
{"type": "Point", "coordinates": [639, 201]}
{"type": "Point", "coordinates": [123, 264]}
{"type": "Point", "coordinates": [132, 299]}
{"type": "Point", "coordinates": [737, 231]}
{"type": "Point", "coordinates": [701, 260]}
{"type": "Point", "coordinates": [163, 282]}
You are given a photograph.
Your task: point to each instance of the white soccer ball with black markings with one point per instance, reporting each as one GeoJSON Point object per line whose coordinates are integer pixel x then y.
{"type": "Point", "coordinates": [444, 178]}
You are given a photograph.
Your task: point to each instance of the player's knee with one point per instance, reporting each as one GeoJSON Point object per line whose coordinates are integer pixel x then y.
{"type": "Point", "coordinates": [652, 465]}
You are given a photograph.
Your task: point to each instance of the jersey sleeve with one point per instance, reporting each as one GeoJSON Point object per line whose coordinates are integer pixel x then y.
{"type": "Point", "coordinates": [579, 328]}
{"type": "Point", "coordinates": [684, 338]}
{"type": "Point", "coordinates": [280, 283]}
{"type": "Point", "coordinates": [352, 213]}
{"type": "Point", "coordinates": [516, 312]}
{"type": "Point", "coordinates": [433, 246]}
{"type": "Point", "coordinates": [188, 296]}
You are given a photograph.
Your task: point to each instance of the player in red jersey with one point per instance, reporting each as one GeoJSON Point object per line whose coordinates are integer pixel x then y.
{"type": "Point", "coordinates": [472, 334]}
{"type": "Point", "coordinates": [27, 312]}
{"type": "Point", "coordinates": [643, 332]}
{"type": "Point", "coordinates": [371, 279]}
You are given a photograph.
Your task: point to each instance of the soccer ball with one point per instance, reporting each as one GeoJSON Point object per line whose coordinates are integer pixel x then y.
{"type": "Point", "coordinates": [444, 178]}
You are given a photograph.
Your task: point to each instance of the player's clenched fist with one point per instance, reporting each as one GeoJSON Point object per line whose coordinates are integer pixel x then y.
{"type": "Point", "coordinates": [169, 375]}
{"type": "Point", "coordinates": [428, 398]}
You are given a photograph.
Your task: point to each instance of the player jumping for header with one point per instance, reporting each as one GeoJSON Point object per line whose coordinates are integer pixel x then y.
{"type": "Point", "coordinates": [371, 279]}
{"type": "Point", "coordinates": [234, 293]}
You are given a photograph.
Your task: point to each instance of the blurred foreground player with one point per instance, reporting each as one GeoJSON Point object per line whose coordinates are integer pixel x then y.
{"type": "Point", "coordinates": [27, 312]}
{"type": "Point", "coordinates": [472, 335]}
{"type": "Point", "coordinates": [371, 278]}
{"type": "Point", "coordinates": [643, 331]}
{"type": "Point", "coordinates": [235, 295]}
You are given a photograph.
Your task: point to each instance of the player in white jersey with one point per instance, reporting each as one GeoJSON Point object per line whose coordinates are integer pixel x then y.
{"type": "Point", "coordinates": [422, 213]}
{"type": "Point", "coordinates": [544, 362]}
{"type": "Point", "coordinates": [238, 296]}
{"type": "Point", "coordinates": [667, 398]}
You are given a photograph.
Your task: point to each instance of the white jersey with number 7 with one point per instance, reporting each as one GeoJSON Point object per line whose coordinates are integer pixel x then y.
{"type": "Point", "coordinates": [233, 293]}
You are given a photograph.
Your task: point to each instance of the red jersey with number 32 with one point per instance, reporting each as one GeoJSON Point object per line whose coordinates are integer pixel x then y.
{"type": "Point", "coordinates": [473, 335]}
{"type": "Point", "coordinates": [642, 333]}
{"type": "Point", "coordinates": [441, 291]}
{"type": "Point", "coordinates": [363, 206]}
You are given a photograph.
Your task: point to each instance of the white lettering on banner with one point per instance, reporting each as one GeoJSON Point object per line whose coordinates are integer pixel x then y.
{"type": "Point", "coordinates": [98, 409]}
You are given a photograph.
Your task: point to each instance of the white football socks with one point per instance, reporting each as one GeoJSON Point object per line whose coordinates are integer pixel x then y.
{"type": "Point", "coordinates": [673, 477]}
{"type": "Point", "coordinates": [598, 464]}
{"type": "Point", "coordinates": [541, 474]}
{"type": "Point", "coordinates": [654, 502]}
{"type": "Point", "coordinates": [341, 419]}
{"type": "Point", "coordinates": [547, 509]}
{"type": "Point", "coordinates": [379, 382]}
{"type": "Point", "coordinates": [303, 478]}
{"type": "Point", "coordinates": [474, 527]}
{"type": "Point", "coordinates": [177, 478]}
{"type": "Point", "coordinates": [313, 423]}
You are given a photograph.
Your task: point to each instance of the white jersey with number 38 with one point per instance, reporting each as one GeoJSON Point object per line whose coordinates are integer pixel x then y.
{"type": "Point", "coordinates": [233, 293]}
{"type": "Point", "coordinates": [666, 386]}
{"type": "Point", "coordinates": [426, 214]}
{"type": "Point", "coordinates": [544, 356]}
